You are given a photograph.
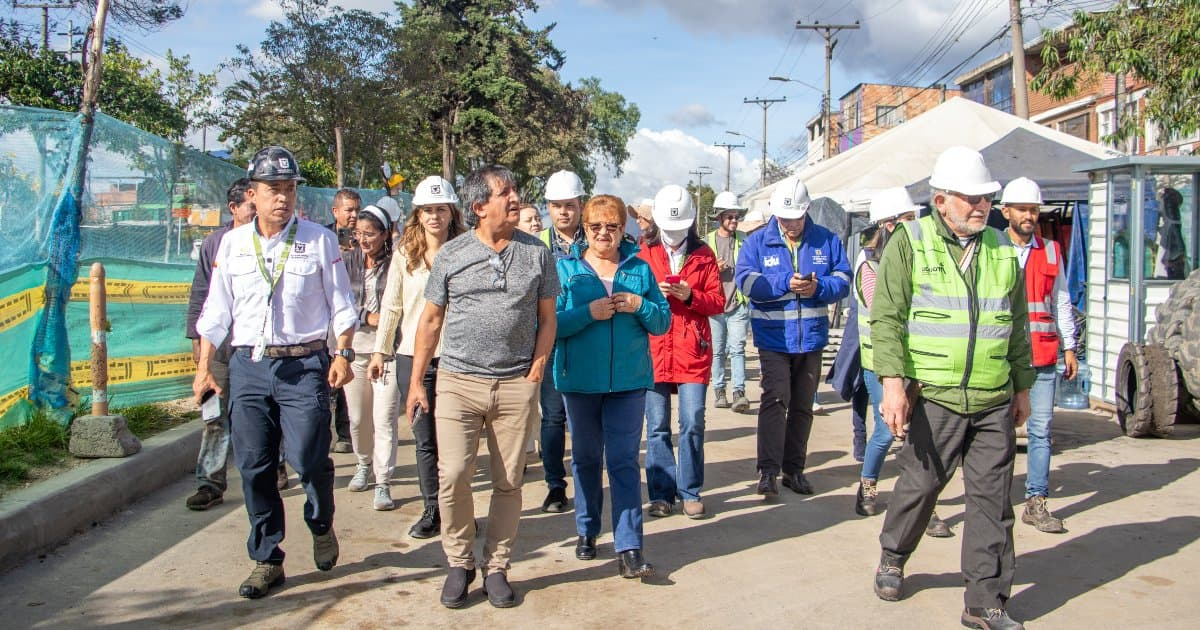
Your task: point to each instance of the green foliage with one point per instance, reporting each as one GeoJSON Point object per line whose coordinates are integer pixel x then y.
{"type": "Point", "coordinates": [319, 172]}
{"type": "Point", "coordinates": [146, 420]}
{"type": "Point", "coordinates": [40, 442]}
{"type": "Point", "coordinates": [1156, 41]}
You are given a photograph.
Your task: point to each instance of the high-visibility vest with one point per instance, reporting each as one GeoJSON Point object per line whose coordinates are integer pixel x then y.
{"type": "Point", "coordinates": [865, 352]}
{"type": "Point", "coordinates": [1040, 273]}
{"type": "Point", "coordinates": [738, 238]}
{"type": "Point", "coordinates": [957, 335]}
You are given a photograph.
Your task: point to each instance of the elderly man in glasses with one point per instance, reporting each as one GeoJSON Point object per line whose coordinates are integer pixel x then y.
{"type": "Point", "coordinates": [493, 290]}
{"type": "Point", "coordinates": [949, 329]}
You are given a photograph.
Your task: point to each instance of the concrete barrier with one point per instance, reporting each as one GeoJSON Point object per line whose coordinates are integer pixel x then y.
{"type": "Point", "coordinates": [45, 515]}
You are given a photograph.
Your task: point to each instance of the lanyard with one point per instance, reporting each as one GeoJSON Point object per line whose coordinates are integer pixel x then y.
{"type": "Point", "coordinates": [272, 277]}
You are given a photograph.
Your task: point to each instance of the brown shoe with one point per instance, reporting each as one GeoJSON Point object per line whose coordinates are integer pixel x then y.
{"type": "Point", "coordinates": [1038, 515]}
{"type": "Point", "coordinates": [937, 528]}
{"type": "Point", "coordinates": [261, 579]}
{"type": "Point", "coordinates": [694, 509]}
{"type": "Point", "coordinates": [659, 509]}
{"type": "Point", "coordinates": [325, 550]}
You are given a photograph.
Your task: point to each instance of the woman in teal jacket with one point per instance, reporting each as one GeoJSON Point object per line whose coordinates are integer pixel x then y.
{"type": "Point", "coordinates": [608, 307]}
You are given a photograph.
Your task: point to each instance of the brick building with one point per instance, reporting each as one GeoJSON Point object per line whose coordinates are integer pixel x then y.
{"type": "Point", "coordinates": [1090, 114]}
{"type": "Point", "coordinates": [871, 109]}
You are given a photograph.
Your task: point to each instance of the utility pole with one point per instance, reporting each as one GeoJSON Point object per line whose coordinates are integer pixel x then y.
{"type": "Point", "coordinates": [728, 153]}
{"type": "Point", "coordinates": [1020, 85]}
{"type": "Point", "coordinates": [45, 7]}
{"type": "Point", "coordinates": [764, 103]}
{"type": "Point", "coordinates": [827, 31]}
{"type": "Point", "coordinates": [700, 172]}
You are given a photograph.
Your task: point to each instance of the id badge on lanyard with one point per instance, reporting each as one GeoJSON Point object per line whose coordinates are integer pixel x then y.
{"type": "Point", "coordinates": [272, 278]}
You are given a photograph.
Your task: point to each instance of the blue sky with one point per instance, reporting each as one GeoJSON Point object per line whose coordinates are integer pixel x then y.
{"type": "Point", "coordinates": [687, 64]}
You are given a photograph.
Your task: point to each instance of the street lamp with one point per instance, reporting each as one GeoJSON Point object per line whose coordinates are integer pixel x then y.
{"type": "Point", "coordinates": [824, 108]}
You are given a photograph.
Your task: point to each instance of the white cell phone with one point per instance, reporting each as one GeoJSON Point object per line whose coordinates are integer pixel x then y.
{"type": "Point", "coordinates": [210, 406]}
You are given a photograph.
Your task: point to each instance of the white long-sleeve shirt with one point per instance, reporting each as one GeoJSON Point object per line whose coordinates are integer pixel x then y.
{"type": "Point", "coordinates": [403, 301]}
{"type": "Point", "coordinates": [312, 292]}
{"type": "Point", "coordinates": [1064, 312]}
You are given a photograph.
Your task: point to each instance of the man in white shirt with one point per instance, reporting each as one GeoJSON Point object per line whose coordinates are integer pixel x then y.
{"type": "Point", "coordinates": [1051, 324]}
{"type": "Point", "coordinates": [278, 285]}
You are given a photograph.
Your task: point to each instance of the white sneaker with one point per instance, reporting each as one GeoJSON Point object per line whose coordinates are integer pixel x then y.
{"type": "Point", "coordinates": [383, 498]}
{"type": "Point", "coordinates": [359, 483]}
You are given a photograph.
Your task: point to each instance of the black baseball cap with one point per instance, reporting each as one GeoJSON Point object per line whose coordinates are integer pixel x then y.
{"type": "Point", "coordinates": [273, 164]}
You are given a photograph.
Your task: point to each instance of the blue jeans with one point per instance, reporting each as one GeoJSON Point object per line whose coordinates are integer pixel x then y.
{"type": "Point", "coordinates": [729, 340]}
{"type": "Point", "coordinates": [664, 479]}
{"type": "Point", "coordinates": [881, 435]}
{"type": "Point", "coordinates": [554, 435]}
{"type": "Point", "coordinates": [213, 459]}
{"type": "Point", "coordinates": [607, 427]}
{"type": "Point", "coordinates": [1037, 461]}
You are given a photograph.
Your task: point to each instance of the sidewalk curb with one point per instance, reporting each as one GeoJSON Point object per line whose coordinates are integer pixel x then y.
{"type": "Point", "coordinates": [42, 517]}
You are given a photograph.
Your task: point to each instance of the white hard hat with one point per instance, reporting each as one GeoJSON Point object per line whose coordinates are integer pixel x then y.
{"type": "Point", "coordinates": [891, 202]}
{"type": "Point", "coordinates": [962, 170]}
{"type": "Point", "coordinates": [726, 201]}
{"type": "Point", "coordinates": [673, 208]}
{"type": "Point", "coordinates": [390, 206]}
{"type": "Point", "coordinates": [790, 199]}
{"type": "Point", "coordinates": [434, 189]}
{"type": "Point", "coordinates": [1021, 190]}
{"type": "Point", "coordinates": [563, 185]}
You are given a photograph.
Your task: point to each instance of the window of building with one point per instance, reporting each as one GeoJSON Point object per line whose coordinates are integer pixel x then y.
{"type": "Point", "coordinates": [1170, 230]}
{"type": "Point", "coordinates": [975, 92]}
{"type": "Point", "coordinates": [1000, 89]}
{"type": "Point", "coordinates": [1076, 126]}
{"type": "Point", "coordinates": [1108, 125]}
{"type": "Point", "coordinates": [888, 115]}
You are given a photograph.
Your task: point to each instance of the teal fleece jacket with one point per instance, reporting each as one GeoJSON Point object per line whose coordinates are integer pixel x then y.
{"type": "Point", "coordinates": [596, 357]}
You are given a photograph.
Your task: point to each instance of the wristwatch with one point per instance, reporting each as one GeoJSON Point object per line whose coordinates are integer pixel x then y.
{"type": "Point", "coordinates": [345, 353]}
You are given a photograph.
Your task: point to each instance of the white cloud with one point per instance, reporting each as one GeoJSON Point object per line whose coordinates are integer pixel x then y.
{"type": "Point", "coordinates": [271, 9]}
{"type": "Point", "coordinates": [894, 35]}
{"type": "Point", "coordinates": [694, 115]}
{"type": "Point", "coordinates": [658, 158]}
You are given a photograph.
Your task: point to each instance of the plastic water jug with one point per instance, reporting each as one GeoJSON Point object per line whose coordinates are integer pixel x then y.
{"type": "Point", "coordinates": [1073, 394]}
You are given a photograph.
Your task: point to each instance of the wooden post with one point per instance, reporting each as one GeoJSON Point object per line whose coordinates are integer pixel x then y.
{"type": "Point", "coordinates": [98, 316]}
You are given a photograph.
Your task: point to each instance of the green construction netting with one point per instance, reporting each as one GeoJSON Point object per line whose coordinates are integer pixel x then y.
{"type": "Point", "coordinates": [147, 203]}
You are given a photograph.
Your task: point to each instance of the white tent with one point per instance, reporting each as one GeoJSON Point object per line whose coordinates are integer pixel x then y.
{"type": "Point", "coordinates": [904, 155]}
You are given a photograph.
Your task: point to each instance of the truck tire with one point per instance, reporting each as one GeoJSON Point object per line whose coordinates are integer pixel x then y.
{"type": "Point", "coordinates": [1135, 411]}
{"type": "Point", "coordinates": [1187, 353]}
{"type": "Point", "coordinates": [1164, 389]}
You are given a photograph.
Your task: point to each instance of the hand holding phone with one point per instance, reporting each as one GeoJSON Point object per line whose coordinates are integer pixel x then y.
{"type": "Point", "coordinates": [673, 278]}
{"type": "Point", "coordinates": [210, 406]}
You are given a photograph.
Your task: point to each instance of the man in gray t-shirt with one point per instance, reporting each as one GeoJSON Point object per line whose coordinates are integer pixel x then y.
{"type": "Point", "coordinates": [493, 292]}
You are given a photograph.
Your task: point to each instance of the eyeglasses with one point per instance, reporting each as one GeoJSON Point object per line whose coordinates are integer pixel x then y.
{"type": "Point", "coordinates": [365, 235]}
{"type": "Point", "coordinates": [499, 280]}
{"type": "Point", "coordinates": [597, 228]}
{"type": "Point", "coordinates": [974, 200]}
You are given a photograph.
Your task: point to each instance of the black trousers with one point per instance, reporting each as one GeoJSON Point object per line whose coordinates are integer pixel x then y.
{"type": "Point", "coordinates": [785, 416]}
{"type": "Point", "coordinates": [341, 416]}
{"type": "Point", "coordinates": [424, 428]}
{"type": "Point", "coordinates": [938, 441]}
{"type": "Point", "coordinates": [272, 400]}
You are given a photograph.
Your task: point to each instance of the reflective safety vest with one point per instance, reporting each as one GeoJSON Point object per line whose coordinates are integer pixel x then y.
{"type": "Point", "coordinates": [738, 238]}
{"type": "Point", "coordinates": [1040, 273]}
{"type": "Point", "coordinates": [957, 334]}
{"type": "Point", "coordinates": [866, 353]}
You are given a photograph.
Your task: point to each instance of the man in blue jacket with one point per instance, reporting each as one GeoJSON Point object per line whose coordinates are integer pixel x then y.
{"type": "Point", "coordinates": [791, 270]}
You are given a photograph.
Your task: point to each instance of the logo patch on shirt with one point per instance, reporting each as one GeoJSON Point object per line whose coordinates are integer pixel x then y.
{"type": "Point", "coordinates": [819, 258]}
{"type": "Point", "coordinates": [770, 261]}
{"type": "Point", "coordinates": [299, 247]}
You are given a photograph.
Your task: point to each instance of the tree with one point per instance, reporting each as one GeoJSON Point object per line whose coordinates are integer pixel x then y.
{"type": "Point", "coordinates": [776, 172]}
{"type": "Point", "coordinates": [319, 70]}
{"type": "Point", "coordinates": [703, 197]}
{"type": "Point", "coordinates": [1152, 40]}
{"type": "Point", "coordinates": [144, 14]}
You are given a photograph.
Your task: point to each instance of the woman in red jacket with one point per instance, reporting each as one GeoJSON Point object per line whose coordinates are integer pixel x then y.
{"type": "Point", "coordinates": [686, 270]}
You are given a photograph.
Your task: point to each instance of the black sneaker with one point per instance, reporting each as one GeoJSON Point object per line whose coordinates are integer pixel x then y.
{"type": "Point", "coordinates": [429, 525]}
{"type": "Point", "coordinates": [454, 591]}
{"type": "Point", "coordinates": [989, 619]}
{"type": "Point", "coordinates": [889, 578]}
{"type": "Point", "coordinates": [767, 485]}
{"type": "Point", "coordinates": [556, 501]}
{"type": "Point", "coordinates": [204, 498]}
{"type": "Point", "coordinates": [498, 590]}
{"type": "Point", "coordinates": [797, 483]}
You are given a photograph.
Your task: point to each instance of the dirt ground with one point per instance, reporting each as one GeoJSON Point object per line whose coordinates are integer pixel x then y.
{"type": "Point", "coordinates": [1132, 508]}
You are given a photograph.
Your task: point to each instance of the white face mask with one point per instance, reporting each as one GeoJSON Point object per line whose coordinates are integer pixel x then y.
{"type": "Point", "coordinates": [673, 238]}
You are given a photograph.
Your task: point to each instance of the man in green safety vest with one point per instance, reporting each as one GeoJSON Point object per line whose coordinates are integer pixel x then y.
{"type": "Point", "coordinates": [729, 328]}
{"type": "Point", "coordinates": [951, 348]}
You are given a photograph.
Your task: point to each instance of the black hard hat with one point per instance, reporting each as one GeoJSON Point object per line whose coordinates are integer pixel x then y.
{"type": "Point", "coordinates": [273, 164]}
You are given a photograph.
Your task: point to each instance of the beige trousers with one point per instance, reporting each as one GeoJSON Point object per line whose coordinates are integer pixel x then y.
{"type": "Point", "coordinates": [506, 410]}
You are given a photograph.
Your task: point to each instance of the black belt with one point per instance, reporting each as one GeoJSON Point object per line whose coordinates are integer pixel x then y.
{"type": "Point", "coordinates": [294, 350]}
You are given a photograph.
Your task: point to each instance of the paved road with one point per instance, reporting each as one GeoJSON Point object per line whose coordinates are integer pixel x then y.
{"type": "Point", "coordinates": [1132, 507]}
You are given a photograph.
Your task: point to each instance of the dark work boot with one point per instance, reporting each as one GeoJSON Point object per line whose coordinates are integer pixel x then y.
{"type": "Point", "coordinates": [631, 564]}
{"type": "Point", "coordinates": [768, 485]}
{"type": "Point", "coordinates": [864, 503]}
{"type": "Point", "coordinates": [454, 591]}
{"type": "Point", "coordinates": [585, 548]}
{"type": "Point", "coordinates": [498, 590]}
{"type": "Point", "coordinates": [937, 528]}
{"type": "Point", "coordinates": [261, 579]}
{"type": "Point", "coordinates": [1038, 515]}
{"type": "Point", "coordinates": [989, 619]}
{"type": "Point", "coordinates": [429, 525]}
{"type": "Point", "coordinates": [889, 578]}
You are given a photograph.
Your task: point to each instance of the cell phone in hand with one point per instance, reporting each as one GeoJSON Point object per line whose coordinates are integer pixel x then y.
{"type": "Point", "coordinates": [674, 278]}
{"type": "Point", "coordinates": [210, 406]}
